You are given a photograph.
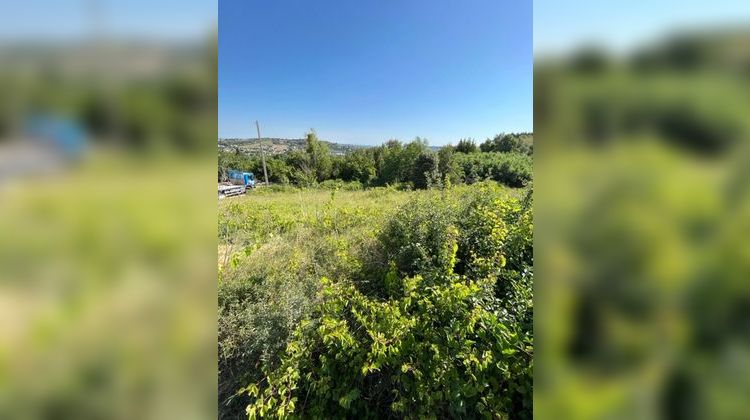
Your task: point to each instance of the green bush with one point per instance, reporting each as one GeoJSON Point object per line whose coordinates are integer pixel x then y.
{"type": "Point", "coordinates": [509, 143]}
{"type": "Point", "coordinates": [466, 146]}
{"type": "Point", "coordinates": [512, 169]}
{"type": "Point", "coordinates": [446, 334]}
{"type": "Point", "coordinates": [496, 240]}
{"type": "Point", "coordinates": [425, 170]}
{"type": "Point", "coordinates": [420, 237]}
{"type": "Point", "coordinates": [433, 352]}
{"type": "Point", "coordinates": [255, 318]}
{"type": "Point", "coordinates": [274, 248]}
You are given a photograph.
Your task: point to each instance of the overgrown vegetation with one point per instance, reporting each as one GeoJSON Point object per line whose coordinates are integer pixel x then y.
{"type": "Point", "coordinates": [643, 183]}
{"type": "Point", "coordinates": [377, 303]}
{"type": "Point", "coordinates": [506, 158]}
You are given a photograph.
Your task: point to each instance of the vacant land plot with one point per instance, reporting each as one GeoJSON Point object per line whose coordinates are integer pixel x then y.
{"type": "Point", "coordinates": [376, 303]}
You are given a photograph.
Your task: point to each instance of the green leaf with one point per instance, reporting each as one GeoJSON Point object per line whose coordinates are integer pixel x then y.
{"type": "Point", "coordinates": [347, 399]}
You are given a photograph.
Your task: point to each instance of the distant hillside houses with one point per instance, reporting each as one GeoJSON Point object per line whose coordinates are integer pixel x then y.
{"type": "Point", "coordinates": [277, 146]}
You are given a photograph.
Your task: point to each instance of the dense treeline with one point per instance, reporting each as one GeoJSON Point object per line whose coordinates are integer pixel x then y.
{"type": "Point", "coordinates": [506, 158]}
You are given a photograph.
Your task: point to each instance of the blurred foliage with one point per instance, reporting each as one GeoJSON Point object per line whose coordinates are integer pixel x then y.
{"type": "Point", "coordinates": [642, 215]}
{"type": "Point", "coordinates": [103, 86]}
{"type": "Point", "coordinates": [104, 309]}
{"type": "Point", "coordinates": [107, 263]}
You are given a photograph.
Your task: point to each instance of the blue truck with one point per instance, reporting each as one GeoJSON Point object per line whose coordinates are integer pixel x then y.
{"type": "Point", "coordinates": [242, 178]}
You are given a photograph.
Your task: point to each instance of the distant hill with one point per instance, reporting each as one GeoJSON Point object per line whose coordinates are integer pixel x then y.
{"type": "Point", "coordinates": [107, 60]}
{"type": "Point", "coordinates": [277, 146]}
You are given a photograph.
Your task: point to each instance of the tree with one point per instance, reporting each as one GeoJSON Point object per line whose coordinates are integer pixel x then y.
{"type": "Point", "coordinates": [319, 157]}
{"type": "Point", "coordinates": [512, 169]}
{"type": "Point", "coordinates": [447, 165]}
{"type": "Point", "coordinates": [278, 170]}
{"type": "Point", "coordinates": [304, 173]}
{"type": "Point", "coordinates": [466, 146]}
{"type": "Point", "coordinates": [509, 143]}
{"type": "Point", "coordinates": [388, 159]}
{"type": "Point", "coordinates": [411, 153]}
{"type": "Point", "coordinates": [358, 166]}
{"type": "Point", "coordinates": [425, 170]}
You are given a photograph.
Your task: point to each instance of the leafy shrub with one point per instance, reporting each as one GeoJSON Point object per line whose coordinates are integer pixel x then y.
{"type": "Point", "coordinates": [432, 352]}
{"type": "Point", "coordinates": [255, 318]}
{"type": "Point", "coordinates": [497, 240]}
{"type": "Point", "coordinates": [420, 237]}
{"type": "Point", "coordinates": [512, 169]}
{"type": "Point", "coordinates": [509, 143]}
{"type": "Point", "coordinates": [447, 166]}
{"type": "Point", "coordinates": [446, 334]}
{"type": "Point", "coordinates": [357, 166]}
{"type": "Point", "coordinates": [275, 247]}
{"type": "Point", "coordinates": [466, 146]}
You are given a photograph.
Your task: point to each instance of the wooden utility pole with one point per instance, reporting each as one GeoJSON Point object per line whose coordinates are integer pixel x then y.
{"type": "Point", "coordinates": [262, 152]}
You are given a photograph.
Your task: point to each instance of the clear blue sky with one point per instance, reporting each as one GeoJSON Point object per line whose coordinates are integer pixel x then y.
{"type": "Point", "coordinates": [71, 19]}
{"type": "Point", "coordinates": [367, 71]}
{"type": "Point", "coordinates": [619, 25]}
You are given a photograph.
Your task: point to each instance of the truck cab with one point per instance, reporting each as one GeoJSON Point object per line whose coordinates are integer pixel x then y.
{"type": "Point", "coordinates": [242, 178]}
